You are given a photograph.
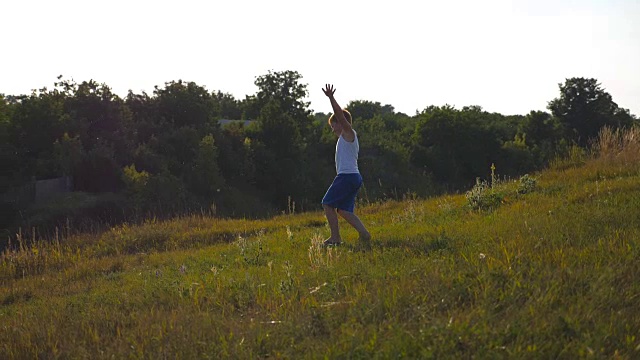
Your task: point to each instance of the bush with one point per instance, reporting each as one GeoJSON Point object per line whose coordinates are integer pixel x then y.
{"type": "Point", "coordinates": [136, 182]}
{"type": "Point", "coordinates": [526, 184]}
{"type": "Point", "coordinates": [483, 196]}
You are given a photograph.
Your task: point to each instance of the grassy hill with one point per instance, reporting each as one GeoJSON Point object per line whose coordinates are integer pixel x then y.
{"type": "Point", "coordinates": [544, 267]}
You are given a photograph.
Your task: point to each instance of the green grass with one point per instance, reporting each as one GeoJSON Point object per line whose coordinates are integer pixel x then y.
{"type": "Point", "coordinates": [551, 273]}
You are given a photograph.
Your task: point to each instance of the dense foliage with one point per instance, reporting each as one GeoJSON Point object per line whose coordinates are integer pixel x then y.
{"type": "Point", "coordinates": [167, 153]}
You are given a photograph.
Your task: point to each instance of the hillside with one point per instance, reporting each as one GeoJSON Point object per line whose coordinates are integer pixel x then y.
{"type": "Point", "coordinates": [546, 270]}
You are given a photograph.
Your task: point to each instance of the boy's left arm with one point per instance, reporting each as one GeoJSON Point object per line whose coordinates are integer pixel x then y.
{"type": "Point", "coordinates": [347, 129]}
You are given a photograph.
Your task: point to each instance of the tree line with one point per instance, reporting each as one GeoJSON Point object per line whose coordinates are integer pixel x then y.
{"type": "Point", "coordinates": [165, 153]}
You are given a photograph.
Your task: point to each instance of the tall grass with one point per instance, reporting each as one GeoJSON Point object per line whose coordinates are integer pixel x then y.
{"type": "Point", "coordinates": [549, 272]}
{"type": "Point", "coordinates": [620, 146]}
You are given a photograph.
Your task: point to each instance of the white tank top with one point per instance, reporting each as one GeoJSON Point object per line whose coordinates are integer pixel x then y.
{"type": "Point", "coordinates": [347, 155]}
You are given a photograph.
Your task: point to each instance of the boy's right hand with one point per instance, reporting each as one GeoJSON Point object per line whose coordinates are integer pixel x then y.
{"type": "Point", "coordinates": [329, 90]}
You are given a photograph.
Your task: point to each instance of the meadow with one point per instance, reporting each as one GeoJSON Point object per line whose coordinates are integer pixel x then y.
{"type": "Point", "coordinates": [540, 267]}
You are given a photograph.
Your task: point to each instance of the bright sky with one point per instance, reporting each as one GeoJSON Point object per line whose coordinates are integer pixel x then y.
{"type": "Point", "coordinates": [506, 56]}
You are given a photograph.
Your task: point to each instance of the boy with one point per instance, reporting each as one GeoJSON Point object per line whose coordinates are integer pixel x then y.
{"type": "Point", "coordinates": [341, 195]}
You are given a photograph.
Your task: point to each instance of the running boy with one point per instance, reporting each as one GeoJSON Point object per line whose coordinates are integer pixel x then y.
{"type": "Point", "coordinates": [341, 196]}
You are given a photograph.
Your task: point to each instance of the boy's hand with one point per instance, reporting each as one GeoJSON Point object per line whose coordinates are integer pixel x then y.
{"type": "Point", "coordinates": [329, 90]}
{"type": "Point", "coordinates": [347, 131]}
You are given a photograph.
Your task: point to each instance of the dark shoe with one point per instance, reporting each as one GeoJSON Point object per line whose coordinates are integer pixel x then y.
{"type": "Point", "coordinates": [364, 242]}
{"type": "Point", "coordinates": [330, 242]}
{"type": "Point", "coordinates": [366, 238]}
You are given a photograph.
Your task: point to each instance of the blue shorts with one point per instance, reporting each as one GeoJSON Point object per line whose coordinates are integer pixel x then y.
{"type": "Point", "coordinates": [342, 192]}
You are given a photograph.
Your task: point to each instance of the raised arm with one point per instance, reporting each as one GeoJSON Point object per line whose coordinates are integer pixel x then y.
{"type": "Point", "coordinates": [347, 130]}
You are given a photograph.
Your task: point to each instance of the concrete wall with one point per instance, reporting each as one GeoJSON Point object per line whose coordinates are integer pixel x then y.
{"type": "Point", "coordinates": [46, 188]}
{"type": "Point", "coordinates": [36, 191]}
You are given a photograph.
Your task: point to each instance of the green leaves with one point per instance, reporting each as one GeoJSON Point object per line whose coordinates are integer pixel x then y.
{"type": "Point", "coordinates": [284, 86]}
{"type": "Point", "coordinates": [454, 145]}
{"type": "Point", "coordinates": [584, 107]}
{"type": "Point", "coordinates": [86, 131]}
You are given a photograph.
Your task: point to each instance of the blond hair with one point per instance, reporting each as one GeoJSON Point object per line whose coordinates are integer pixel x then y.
{"type": "Point", "coordinates": [347, 115]}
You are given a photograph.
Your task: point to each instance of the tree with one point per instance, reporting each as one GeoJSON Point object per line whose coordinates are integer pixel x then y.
{"type": "Point", "coordinates": [182, 133]}
{"type": "Point", "coordinates": [286, 89]}
{"type": "Point", "coordinates": [584, 107]}
{"type": "Point", "coordinates": [98, 133]}
{"type": "Point", "coordinates": [69, 154]}
{"type": "Point", "coordinates": [5, 110]}
{"type": "Point", "coordinates": [542, 134]}
{"type": "Point", "coordinates": [38, 120]}
{"type": "Point", "coordinates": [364, 109]}
{"type": "Point", "coordinates": [8, 160]}
{"type": "Point", "coordinates": [278, 130]}
{"type": "Point", "coordinates": [281, 134]}
{"type": "Point", "coordinates": [279, 140]}
{"type": "Point", "coordinates": [100, 118]}
{"type": "Point", "coordinates": [387, 109]}
{"type": "Point", "coordinates": [178, 148]}
{"type": "Point", "coordinates": [148, 123]}
{"type": "Point", "coordinates": [285, 86]}
{"type": "Point", "coordinates": [453, 145]}
{"type": "Point", "coordinates": [227, 106]}
{"type": "Point", "coordinates": [204, 177]}
{"type": "Point", "coordinates": [186, 104]}
{"type": "Point", "coordinates": [234, 155]}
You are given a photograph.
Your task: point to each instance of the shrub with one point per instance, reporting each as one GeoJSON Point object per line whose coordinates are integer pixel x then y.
{"type": "Point", "coordinates": [483, 196]}
{"type": "Point", "coordinates": [526, 184]}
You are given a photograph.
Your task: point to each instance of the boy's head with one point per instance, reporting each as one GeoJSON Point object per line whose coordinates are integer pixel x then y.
{"type": "Point", "coordinates": [335, 125]}
{"type": "Point", "coordinates": [347, 115]}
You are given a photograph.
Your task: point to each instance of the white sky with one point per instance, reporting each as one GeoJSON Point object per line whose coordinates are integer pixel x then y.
{"type": "Point", "coordinates": [506, 56]}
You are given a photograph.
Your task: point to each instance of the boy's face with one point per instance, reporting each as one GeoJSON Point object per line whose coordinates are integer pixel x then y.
{"type": "Point", "coordinates": [336, 128]}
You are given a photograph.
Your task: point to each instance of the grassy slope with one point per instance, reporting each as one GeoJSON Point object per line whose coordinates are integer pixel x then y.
{"type": "Point", "coordinates": [549, 274]}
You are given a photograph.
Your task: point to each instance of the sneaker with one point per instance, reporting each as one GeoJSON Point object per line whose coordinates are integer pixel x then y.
{"type": "Point", "coordinates": [330, 242]}
{"type": "Point", "coordinates": [365, 241]}
{"type": "Point", "coordinates": [366, 238]}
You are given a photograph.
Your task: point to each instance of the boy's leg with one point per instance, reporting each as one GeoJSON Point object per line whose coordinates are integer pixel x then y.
{"type": "Point", "coordinates": [354, 221]}
{"type": "Point", "coordinates": [332, 218]}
